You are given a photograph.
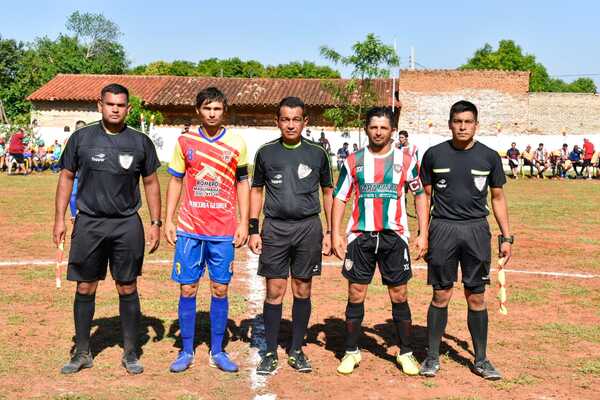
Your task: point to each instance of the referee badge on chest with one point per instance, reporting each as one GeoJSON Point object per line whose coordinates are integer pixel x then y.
{"type": "Point", "coordinates": [303, 171]}
{"type": "Point", "coordinates": [125, 159]}
{"type": "Point", "coordinates": [480, 182]}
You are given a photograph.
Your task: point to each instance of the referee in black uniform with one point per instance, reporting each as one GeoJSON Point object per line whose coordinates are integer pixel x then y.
{"type": "Point", "coordinates": [292, 168]}
{"type": "Point", "coordinates": [109, 158]}
{"type": "Point", "coordinates": [456, 175]}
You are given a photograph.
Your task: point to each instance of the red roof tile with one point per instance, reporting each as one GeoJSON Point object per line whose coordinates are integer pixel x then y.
{"type": "Point", "coordinates": [181, 90]}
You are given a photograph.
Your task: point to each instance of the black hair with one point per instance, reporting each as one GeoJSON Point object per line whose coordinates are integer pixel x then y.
{"type": "Point", "coordinates": [115, 88]}
{"type": "Point", "coordinates": [403, 133]}
{"type": "Point", "coordinates": [380, 112]}
{"type": "Point", "coordinates": [211, 94]}
{"type": "Point", "coordinates": [80, 122]}
{"type": "Point", "coordinates": [463, 106]}
{"type": "Point", "coordinates": [541, 144]}
{"type": "Point", "coordinates": [290, 102]}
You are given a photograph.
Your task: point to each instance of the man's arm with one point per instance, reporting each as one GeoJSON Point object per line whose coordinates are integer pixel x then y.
{"type": "Point", "coordinates": [422, 208]}
{"type": "Point", "coordinates": [63, 194]}
{"type": "Point", "coordinates": [256, 202]}
{"type": "Point", "coordinates": [173, 195]}
{"type": "Point", "coordinates": [152, 189]}
{"type": "Point", "coordinates": [243, 199]}
{"type": "Point", "coordinates": [327, 205]}
{"type": "Point", "coordinates": [338, 238]}
{"type": "Point", "coordinates": [500, 209]}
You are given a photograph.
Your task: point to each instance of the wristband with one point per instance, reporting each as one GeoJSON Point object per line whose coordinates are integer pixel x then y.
{"type": "Point", "coordinates": [156, 222]}
{"type": "Point", "coordinates": [253, 226]}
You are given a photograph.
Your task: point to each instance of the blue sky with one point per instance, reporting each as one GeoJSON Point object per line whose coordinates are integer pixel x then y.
{"type": "Point", "coordinates": [565, 36]}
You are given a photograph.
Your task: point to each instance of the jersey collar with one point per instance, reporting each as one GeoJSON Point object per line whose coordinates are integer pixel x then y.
{"type": "Point", "coordinates": [211, 139]}
{"type": "Point", "coordinates": [291, 146]}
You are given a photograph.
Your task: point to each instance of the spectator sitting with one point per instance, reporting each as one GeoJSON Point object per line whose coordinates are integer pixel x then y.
{"type": "Point", "coordinates": [39, 159]}
{"type": "Point", "coordinates": [540, 158]}
{"type": "Point", "coordinates": [596, 163]}
{"type": "Point", "coordinates": [554, 159]}
{"type": "Point", "coordinates": [342, 153]}
{"type": "Point", "coordinates": [354, 147]}
{"type": "Point", "coordinates": [575, 158]}
{"type": "Point", "coordinates": [513, 159]}
{"type": "Point", "coordinates": [325, 143]}
{"type": "Point", "coordinates": [2, 154]}
{"type": "Point", "coordinates": [56, 152]}
{"type": "Point", "coordinates": [588, 153]}
{"type": "Point", "coordinates": [16, 148]}
{"type": "Point", "coordinates": [564, 164]}
{"type": "Point", "coordinates": [527, 157]}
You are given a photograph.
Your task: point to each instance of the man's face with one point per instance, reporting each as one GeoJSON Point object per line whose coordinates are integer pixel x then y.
{"type": "Point", "coordinates": [211, 114]}
{"type": "Point", "coordinates": [463, 126]}
{"type": "Point", "coordinates": [514, 145]}
{"type": "Point", "coordinates": [114, 108]}
{"type": "Point", "coordinates": [541, 147]}
{"type": "Point", "coordinates": [291, 122]}
{"type": "Point", "coordinates": [379, 130]}
{"type": "Point", "coordinates": [403, 139]}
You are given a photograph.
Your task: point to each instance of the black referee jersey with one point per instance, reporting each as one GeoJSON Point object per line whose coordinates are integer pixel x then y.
{"type": "Point", "coordinates": [109, 167]}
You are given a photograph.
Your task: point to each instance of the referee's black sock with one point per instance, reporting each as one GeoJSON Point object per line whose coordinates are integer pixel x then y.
{"type": "Point", "coordinates": [437, 318]}
{"type": "Point", "coordinates": [272, 318]}
{"type": "Point", "coordinates": [130, 315]}
{"type": "Point", "coordinates": [83, 312]}
{"type": "Point", "coordinates": [478, 327]}
{"type": "Point", "coordinates": [300, 317]}
{"type": "Point", "coordinates": [355, 313]}
{"type": "Point", "coordinates": [403, 322]}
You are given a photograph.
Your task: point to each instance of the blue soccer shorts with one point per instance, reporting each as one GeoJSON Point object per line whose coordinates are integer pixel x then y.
{"type": "Point", "coordinates": [192, 256]}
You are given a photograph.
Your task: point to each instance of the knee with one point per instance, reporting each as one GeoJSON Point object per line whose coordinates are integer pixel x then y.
{"type": "Point", "coordinates": [218, 290]}
{"type": "Point", "coordinates": [476, 301]}
{"type": "Point", "coordinates": [441, 298]}
{"type": "Point", "coordinates": [398, 294]}
{"type": "Point", "coordinates": [275, 294]}
{"type": "Point", "coordinates": [126, 288]}
{"type": "Point", "coordinates": [86, 288]}
{"type": "Point", "coordinates": [189, 290]}
{"type": "Point", "coordinates": [301, 288]}
{"type": "Point", "coordinates": [357, 294]}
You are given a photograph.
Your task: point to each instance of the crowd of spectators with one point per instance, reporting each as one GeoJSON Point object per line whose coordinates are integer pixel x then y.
{"type": "Point", "coordinates": [577, 163]}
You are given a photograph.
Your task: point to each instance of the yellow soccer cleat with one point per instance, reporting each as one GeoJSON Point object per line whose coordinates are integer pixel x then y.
{"type": "Point", "coordinates": [408, 362]}
{"type": "Point", "coordinates": [350, 361]}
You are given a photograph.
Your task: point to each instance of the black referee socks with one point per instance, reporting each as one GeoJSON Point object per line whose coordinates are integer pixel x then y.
{"type": "Point", "coordinates": [437, 319]}
{"type": "Point", "coordinates": [272, 318]}
{"type": "Point", "coordinates": [300, 317]}
{"type": "Point", "coordinates": [355, 313]}
{"type": "Point", "coordinates": [403, 323]}
{"type": "Point", "coordinates": [83, 313]}
{"type": "Point", "coordinates": [130, 314]}
{"type": "Point", "coordinates": [478, 327]}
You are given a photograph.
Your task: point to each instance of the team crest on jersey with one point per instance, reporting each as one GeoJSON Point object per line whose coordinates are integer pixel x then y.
{"type": "Point", "coordinates": [480, 182]}
{"type": "Point", "coordinates": [398, 168]}
{"type": "Point", "coordinates": [125, 160]}
{"type": "Point", "coordinates": [303, 171]}
{"type": "Point", "coordinates": [348, 264]}
{"type": "Point", "coordinates": [190, 154]}
{"type": "Point", "coordinates": [227, 155]}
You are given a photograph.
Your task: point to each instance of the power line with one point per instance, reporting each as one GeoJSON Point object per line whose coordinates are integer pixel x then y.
{"type": "Point", "coordinates": [573, 75]}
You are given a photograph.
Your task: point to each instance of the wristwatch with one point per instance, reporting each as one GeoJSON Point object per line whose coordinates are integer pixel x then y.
{"type": "Point", "coordinates": [156, 222]}
{"type": "Point", "coordinates": [506, 239]}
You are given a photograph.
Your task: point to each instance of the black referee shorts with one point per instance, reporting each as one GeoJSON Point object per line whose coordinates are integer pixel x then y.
{"type": "Point", "coordinates": [464, 242]}
{"type": "Point", "coordinates": [99, 242]}
{"type": "Point", "coordinates": [291, 246]}
{"type": "Point", "coordinates": [387, 249]}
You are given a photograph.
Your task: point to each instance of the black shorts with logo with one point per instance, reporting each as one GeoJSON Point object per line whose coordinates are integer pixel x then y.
{"type": "Point", "coordinates": [451, 242]}
{"type": "Point", "coordinates": [289, 245]}
{"type": "Point", "coordinates": [387, 249]}
{"type": "Point", "coordinates": [99, 242]}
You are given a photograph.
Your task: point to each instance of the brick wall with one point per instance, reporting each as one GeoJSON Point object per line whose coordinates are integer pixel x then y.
{"type": "Point", "coordinates": [436, 81]}
{"type": "Point", "coordinates": [60, 114]}
{"type": "Point", "coordinates": [577, 113]}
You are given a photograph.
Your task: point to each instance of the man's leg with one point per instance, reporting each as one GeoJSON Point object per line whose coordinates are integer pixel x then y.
{"type": "Point", "coordinates": [219, 315]}
{"type": "Point", "coordinates": [477, 321]}
{"type": "Point", "coordinates": [130, 315]}
{"type": "Point", "coordinates": [355, 312]}
{"type": "Point", "coordinates": [186, 312]}
{"type": "Point", "coordinates": [276, 288]}
{"type": "Point", "coordinates": [437, 319]}
{"type": "Point", "coordinates": [300, 311]}
{"type": "Point", "coordinates": [401, 316]}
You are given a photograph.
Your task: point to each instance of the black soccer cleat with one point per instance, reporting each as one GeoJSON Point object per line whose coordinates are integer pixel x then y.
{"type": "Point", "coordinates": [486, 370]}
{"type": "Point", "coordinates": [132, 363]}
{"type": "Point", "coordinates": [430, 367]}
{"type": "Point", "coordinates": [268, 364]}
{"type": "Point", "coordinates": [298, 361]}
{"type": "Point", "coordinates": [79, 361]}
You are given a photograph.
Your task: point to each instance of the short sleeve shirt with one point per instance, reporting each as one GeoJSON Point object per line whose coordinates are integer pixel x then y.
{"type": "Point", "coordinates": [460, 179]}
{"type": "Point", "coordinates": [109, 167]}
{"type": "Point", "coordinates": [210, 168]}
{"type": "Point", "coordinates": [513, 154]}
{"type": "Point", "coordinates": [292, 177]}
{"type": "Point", "coordinates": [16, 145]}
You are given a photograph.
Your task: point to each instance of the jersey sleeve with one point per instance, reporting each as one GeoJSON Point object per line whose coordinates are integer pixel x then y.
{"type": "Point", "coordinates": [69, 158]}
{"type": "Point", "coordinates": [177, 164]}
{"type": "Point", "coordinates": [412, 177]}
{"type": "Point", "coordinates": [497, 177]}
{"type": "Point", "coordinates": [258, 176]}
{"type": "Point", "coordinates": [426, 169]}
{"type": "Point", "coordinates": [343, 189]}
{"type": "Point", "coordinates": [241, 171]}
{"type": "Point", "coordinates": [326, 176]}
{"type": "Point", "coordinates": [152, 162]}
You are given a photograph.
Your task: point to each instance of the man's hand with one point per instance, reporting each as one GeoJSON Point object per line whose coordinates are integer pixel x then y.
{"type": "Point", "coordinates": [505, 252]}
{"type": "Point", "coordinates": [153, 238]}
{"type": "Point", "coordinates": [241, 235]}
{"type": "Point", "coordinates": [422, 244]}
{"type": "Point", "coordinates": [326, 248]}
{"type": "Point", "coordinates": [255, 243]}
{"type": "Point", "coordinates": [339, 245]}
{"type": "Point", "coordinates": [170, 232]}
{"type": "Point", "coordinates": [58, 232]}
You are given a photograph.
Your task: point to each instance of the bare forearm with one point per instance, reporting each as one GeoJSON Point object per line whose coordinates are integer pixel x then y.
{"type": "Point", "coordinates": [63, 194]}
{"type": "Point", "coordinates": [173, 195]}
{"type": "Point", "coordinates": [422, 208]}
{"type": "Point", "coordinates": [243, 199]}
{"type": "Point", "coordinates": [152, 189]}
{"type": "Point", "coordinates": [256, 200]}
{"type": "Point", "coordinates": [337, 215]}
{"type": "Point", "coordinates": [327, 205]}
{"type": "Point", "coordinates": [500, 208]}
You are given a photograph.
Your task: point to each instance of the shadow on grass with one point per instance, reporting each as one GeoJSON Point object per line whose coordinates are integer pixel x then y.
{"type": "Point", "coordinates": [202, 332]}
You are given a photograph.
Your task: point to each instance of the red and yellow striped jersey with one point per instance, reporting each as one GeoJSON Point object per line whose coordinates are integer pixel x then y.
{"type": "Point", "coordinates": [208, 167]}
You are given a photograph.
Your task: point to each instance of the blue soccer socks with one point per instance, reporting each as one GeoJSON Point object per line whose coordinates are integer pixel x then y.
{"type": "Point", "coordinates": [187, 322]}
{"type": "Point", "coordinates": [219, 308]}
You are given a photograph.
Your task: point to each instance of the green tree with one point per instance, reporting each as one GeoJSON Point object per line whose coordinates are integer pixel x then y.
{"type": "Point", "coordinates": [510, 57]}
{"type": "Point", "coordinates": [369, 60]}
{"type": "Point", "coordinates": [305, 69]}
{"type": "Point", "coordinates": [11, 53]}
{"type": "Point", "coordinates": [94, 30]}
{"type": "Point", "coordinates": [138, 108]}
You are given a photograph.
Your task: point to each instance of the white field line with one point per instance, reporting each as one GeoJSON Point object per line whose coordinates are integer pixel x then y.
{"type": "Point", "coordinates": [17, 263]}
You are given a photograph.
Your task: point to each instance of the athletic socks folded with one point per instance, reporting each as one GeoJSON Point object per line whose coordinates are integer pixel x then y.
{"type": "Point", "coordinates": [355, 313]}
{"type": "Point", "coordinates": [83, 313]}
{"type": "Point", "coordinates": [437, 318]}
{"type": "Point", "coordinates": [478, 327]}
{"type": "Point", "coordinates": [300, 317]}
{"type": "Point", "coordinates": [272, 319]}
{"type": "Point", "coordinates": [403, 323]}
{"type": "Point", "coordinates": [130, 315]}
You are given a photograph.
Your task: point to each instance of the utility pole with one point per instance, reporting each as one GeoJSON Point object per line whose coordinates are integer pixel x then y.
{"type": "Point", "coordinates": [412, 58]}
{"type": "Point", "coordinates": [3, 118]}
